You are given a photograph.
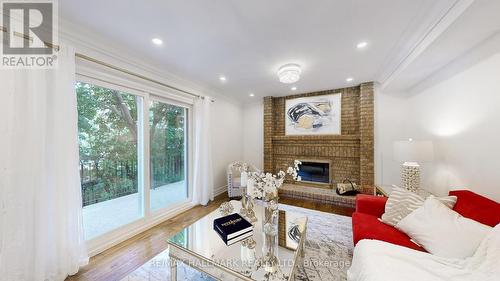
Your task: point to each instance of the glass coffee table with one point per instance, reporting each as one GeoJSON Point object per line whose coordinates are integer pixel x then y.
{"type": "Point", "coordinates": [260, 257]}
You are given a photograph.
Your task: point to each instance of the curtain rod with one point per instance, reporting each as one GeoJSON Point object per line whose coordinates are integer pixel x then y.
{"type": "Point", "coordinates": [82, 56]}
{"type": "Point", "coordinates": [29, 38]}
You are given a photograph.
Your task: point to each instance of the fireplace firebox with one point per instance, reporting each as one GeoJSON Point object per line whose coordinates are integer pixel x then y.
{"type": "Point", "coordinates": [315, 171]}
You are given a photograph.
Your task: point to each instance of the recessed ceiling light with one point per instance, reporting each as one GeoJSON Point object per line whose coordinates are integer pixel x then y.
{"type": "Point", "coordinates": [289, 73]}
{"type": "Point", "coordinates": [362, 45]}
{"type": "Point", "coordinates": [222, 78]}
{"type": "Point", "coordinates": [252, 95]}
{"type": "Point", "coordinates": [293, 88]}
{"type": "Point", "coordinates": [157, 41]}
{"type": "Point", "coordinates": [350, 79]}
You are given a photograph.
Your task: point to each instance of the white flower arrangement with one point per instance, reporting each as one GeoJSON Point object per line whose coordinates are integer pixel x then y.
{"type": "Point", "coordinates": [266, 185]}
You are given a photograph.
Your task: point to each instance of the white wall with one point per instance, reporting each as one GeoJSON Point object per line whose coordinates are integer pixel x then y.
{"type": "Point", "coordinates": [227, 140]}
{"type": "Point", "coordinates": [461, 115]}
{"type": "Point", "coordinates": [390, 112]}
{"type": "Point", "coordinates": [253, 134]}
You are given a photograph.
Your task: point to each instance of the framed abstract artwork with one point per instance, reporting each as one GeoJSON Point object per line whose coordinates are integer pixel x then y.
{"type": "Point", "coordinates": [317, 115]}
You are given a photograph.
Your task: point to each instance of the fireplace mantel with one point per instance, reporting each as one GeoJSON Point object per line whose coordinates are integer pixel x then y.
{"type": "Point", "coordinates": [315, 138]}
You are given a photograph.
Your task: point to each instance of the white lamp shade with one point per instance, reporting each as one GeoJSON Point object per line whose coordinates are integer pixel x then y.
{"type": "Point", "coordinates": [413, 151]}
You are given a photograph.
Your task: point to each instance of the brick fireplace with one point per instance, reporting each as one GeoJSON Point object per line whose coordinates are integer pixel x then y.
{"type": "Point", "coordinates": [350, 154]}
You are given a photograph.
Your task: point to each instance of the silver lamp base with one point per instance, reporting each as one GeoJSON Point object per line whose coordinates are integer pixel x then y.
{"type": "Point", "coordinates": [410, 176]}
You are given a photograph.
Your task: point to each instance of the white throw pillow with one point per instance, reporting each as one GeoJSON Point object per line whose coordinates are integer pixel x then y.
{"type": "Point", "coordinates": [402, 202]}
{"type": "Point", "coordinates": [443, 232]}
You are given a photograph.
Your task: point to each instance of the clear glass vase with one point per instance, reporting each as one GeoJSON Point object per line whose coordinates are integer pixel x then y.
{"type": "Point", "coordinates": [270, 260]}
{"type": "Point", "coordinates": [244, 201]}
{"type": "Point", "coordinates": [270, 221]}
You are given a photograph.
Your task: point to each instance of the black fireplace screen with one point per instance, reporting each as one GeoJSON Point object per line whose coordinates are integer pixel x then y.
{"type": "Point", "coordinates": [315, 172]}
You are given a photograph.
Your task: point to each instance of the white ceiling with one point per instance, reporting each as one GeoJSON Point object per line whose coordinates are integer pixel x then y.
{"type": "Point", "coordinates": [248, 40]}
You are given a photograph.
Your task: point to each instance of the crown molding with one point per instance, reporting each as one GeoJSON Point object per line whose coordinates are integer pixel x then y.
{"type": "Point", "coordinates": [433, 32]}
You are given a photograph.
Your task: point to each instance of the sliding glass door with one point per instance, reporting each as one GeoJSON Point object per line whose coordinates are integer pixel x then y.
{"type": "Point", "coordinates": [168, 169]}
{"type": "Point", "coordinates": [133, 156]}
{"type": "Point", "coordinates": [108, 138]}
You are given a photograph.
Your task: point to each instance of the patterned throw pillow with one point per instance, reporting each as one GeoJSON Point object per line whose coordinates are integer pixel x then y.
{"type": "Point", "coordinates": [402, 202]}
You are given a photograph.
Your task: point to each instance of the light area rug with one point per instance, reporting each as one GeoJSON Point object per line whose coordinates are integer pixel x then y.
{"type": "Point", "coordinates": [328, 252]}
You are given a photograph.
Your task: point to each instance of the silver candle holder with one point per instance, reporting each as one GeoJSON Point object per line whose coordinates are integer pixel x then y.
{"type": "Point", "coordinates": [250, 212]}
{"type": "Point", "coordinates": [244, 201]}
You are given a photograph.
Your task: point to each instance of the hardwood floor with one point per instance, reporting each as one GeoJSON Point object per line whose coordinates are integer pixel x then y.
{"type": "Point", "coordinates": [120, 260]}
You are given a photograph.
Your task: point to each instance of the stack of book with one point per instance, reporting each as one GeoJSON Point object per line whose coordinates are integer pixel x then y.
{"type": "Point", "coordinates": [233, 228]}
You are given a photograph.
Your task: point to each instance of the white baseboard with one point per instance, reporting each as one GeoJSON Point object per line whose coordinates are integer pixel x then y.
{"type": "Point", "coordinates": [219, 190]}
{"type": "Point", "coordinates": [101, 244]}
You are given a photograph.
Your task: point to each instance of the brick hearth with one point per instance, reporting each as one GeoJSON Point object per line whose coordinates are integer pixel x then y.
{"type": "Point", "coordinates": [316, 194]}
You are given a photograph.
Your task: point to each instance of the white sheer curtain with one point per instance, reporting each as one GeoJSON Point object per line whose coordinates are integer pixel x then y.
{"type": "Point", "coordinates": [203, 186]}
{"type": "Point", "coordinates": [41, 230]}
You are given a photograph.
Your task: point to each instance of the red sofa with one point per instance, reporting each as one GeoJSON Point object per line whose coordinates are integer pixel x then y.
{"type": "Point", "coordinates": [369, 208]}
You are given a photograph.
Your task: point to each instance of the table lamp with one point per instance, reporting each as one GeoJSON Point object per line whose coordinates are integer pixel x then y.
{"type": "Point", "coordinates": [411, 153]}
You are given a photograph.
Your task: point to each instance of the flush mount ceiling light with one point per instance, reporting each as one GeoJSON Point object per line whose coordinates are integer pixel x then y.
{"type": "Point", "coordinates": [362, 45]}
{"type": "Point", "coordinates": [157, 41]}
{"type": "Point", "coordinates": [293, 88]}
{"type": "Point", "coordinates": [289, 73]}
